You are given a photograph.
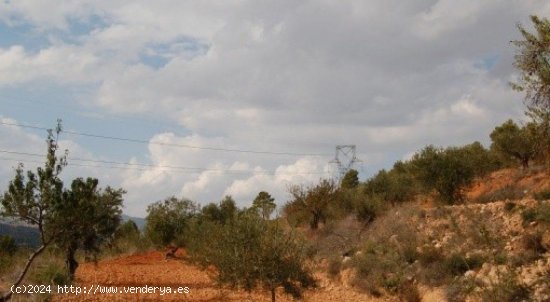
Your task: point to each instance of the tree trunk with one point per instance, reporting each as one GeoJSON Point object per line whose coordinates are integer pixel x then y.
{"type": "Point", "coordinates": [7, 296]}
{"type": "Point", "coordinates": [273, 295]}
{"type": "Point", "coordinates": [314, 224]}
{"type": "Point", "coordinates": [525, 163]}
{"type": "Point", "coordinates": [70, 261]}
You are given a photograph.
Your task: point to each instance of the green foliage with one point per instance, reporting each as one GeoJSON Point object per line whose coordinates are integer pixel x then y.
{"type": "Point", "coordinates": [396, 186]}
{"type": "Point", "coordinates": [222, 213]}
{"type": "Point", "coordinates": [128, 238]}
{"type": "Point", "coordinates": [458, 264]}
{"type": "Point", "coordinates": [350, 180]}
{"type": "Point", "coordinates": [532, 60]}
{"type": "Point", "coordinates": [387, 256]}
{"type": "Point", "coordinates": [367, 208]}
{"type": "Point", "coordinates": [52, 273]}
{"type": "Point", "coordinates": [513, 142]}
{"type": "Point", "coordinates": [542, 195]}
{"type": "Point", "coordinates": [540, 130]}
{"type": "Point", "coordinates": [7, 246]}
{"type": "Point", "coordinates": [311, 204]}
{"type": "Point", "coordinates": [90, 216]}
{"type": "Point", "coordinates": [167, 221]}
{"type": "Point", "coordinates": [128, 229]}
{"type": "Point", "coordinates": [33, 197]}
{"type": "Point", "coordinates": [249, 252]}
{"type": "Point", "coordinates": [540, 213]}
{"type": "Point", "coordinates": [445, 170]}
{"type": "Point", "coordinates": [264, 204]}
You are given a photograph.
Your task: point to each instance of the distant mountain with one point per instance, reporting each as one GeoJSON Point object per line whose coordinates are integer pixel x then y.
{"type": "Point", "coordinates": [140, 222]}
{"type": "Point", "coordinates": [23, 235]}
{"type": "Point", "coordinates": [27, 235]}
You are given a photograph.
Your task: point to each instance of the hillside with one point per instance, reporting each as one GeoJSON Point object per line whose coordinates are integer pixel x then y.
{"type": "Point", "coordinates": [498, 250]}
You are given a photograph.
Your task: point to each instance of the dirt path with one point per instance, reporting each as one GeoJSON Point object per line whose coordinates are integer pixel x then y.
{"type": "Point", "coordinates": [152, 270]}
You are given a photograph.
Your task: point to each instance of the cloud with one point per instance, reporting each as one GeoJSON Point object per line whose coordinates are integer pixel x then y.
{"type": "Point", "coordinates": [295, 76]}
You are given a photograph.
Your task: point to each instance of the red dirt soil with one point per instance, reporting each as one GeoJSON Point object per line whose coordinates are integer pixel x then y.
{"type": "Point", "coordinates": [532, 181]}
{"type": "Point", "coordinates": [152, 269]}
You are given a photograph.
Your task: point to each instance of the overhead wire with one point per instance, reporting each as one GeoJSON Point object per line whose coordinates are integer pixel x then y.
{"type": "Point", "coordinates": [166, 144]}
{"type": "Point", "coordinates": [147, 167]}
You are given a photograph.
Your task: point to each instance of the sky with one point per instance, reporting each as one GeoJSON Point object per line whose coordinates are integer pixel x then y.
{"type": "Point", "coordinates": [218, 97]}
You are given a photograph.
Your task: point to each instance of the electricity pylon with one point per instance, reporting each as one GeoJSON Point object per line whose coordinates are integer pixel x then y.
{"type": "Point", "coordinates": [345, 158]}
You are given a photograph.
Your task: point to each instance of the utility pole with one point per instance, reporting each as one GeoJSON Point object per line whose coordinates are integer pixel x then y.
{"type": "Point", "coordinates": [344, 159]}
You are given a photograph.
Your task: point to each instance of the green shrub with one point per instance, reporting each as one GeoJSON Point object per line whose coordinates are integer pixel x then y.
{"type": "Point", "coordinates": [52, 273]}
{"type": "Point", "coordinates": [509, 206]}
{"type": "Point", "coordinates": [367, 208]}
{"type": "Point", "coordinates": [7, 246]}
{"type": "Point", "coordinates": [249, 252]}
{"type": "Point", "coordinates": [312, 204]}
{"type": "Point", "coordinates": [458, 264]}
{"type": "Point", "coordinates": [447, 171]}
{"type": "Point", "coordinates": [542, 195]}
{"type": "Point", "coordinates": [166, 221]}
{"type": "Point", "coordinates": [529, 215]}
{"type": "Point", "coordinates": [540, 213]}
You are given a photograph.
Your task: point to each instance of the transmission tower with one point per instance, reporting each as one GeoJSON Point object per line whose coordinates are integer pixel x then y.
{"type": "Point", "coordinates": [344, 159]}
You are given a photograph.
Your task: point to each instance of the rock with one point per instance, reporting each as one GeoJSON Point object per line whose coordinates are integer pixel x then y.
{"type": "Point", "coordinates": [435, 295]}
{"type": "Point", "coordinates": [533, 223]}
{"type": "Point", "coordinates": [470, 274]}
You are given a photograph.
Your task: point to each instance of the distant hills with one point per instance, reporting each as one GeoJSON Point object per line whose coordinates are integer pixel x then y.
{"type": "Point", "coordinates": [24, 235]}
{"type": "Point", "coordinates": [27, 235]}
{"type": "Point", "coordinates": [140, 222]}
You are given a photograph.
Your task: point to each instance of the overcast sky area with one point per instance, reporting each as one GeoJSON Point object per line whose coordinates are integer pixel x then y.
{"type": "Point", "coordinates": [281, 76]}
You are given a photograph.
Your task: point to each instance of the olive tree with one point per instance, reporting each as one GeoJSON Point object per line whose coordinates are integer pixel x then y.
{"type": "Point", "coordinates": [312, 203]}
{"type": "Point", "coordinates": [533, 61]}
{"type": "Point", "coordinates": [32, 198]}
{"type": "Point", "coordinates": [512, 141]}
{"type": "Point", "coordinates": [167, 220]}
{"type": "Point", "coordinates": [72, 218]}
{"type": "Point", "coordinates": [90, 216]}
{"type": "Point", "coordinates": [251, 252]}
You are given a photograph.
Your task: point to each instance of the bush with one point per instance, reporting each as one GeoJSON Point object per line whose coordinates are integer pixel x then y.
{"type": "Point", "coordinates": [446, 171]}
{"type": "Point", "coordinates": [166, 221]}
{"type": "Point", "coordinates": [251, 252]}
{"type": "Point", "coordinates": [509, 206]}
{"type": "Point", "coordinates": [367, 208]}
{"type": "Point", "coordinates": [312, 204]}
{"type": "Point", "coordinates": [540, 213]}
{"type": "Point", "coordinates": [387, 256]}
{"type": "Point", "coordinates": [542, 195]}
{"type": "Point", "coordinates": [458, 264]}
{"type": "Point", "coordinates": [7, 245]}
{"type": "Point", "coordinates": [52, 273]}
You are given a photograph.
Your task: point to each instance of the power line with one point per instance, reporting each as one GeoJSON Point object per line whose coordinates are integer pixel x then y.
{"type": "Point", "coordinates": [166, 144]}
{"type": "Point", "coordinates": [146, 167]}
{"type": "Point", "coordinates": [82, 112]}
